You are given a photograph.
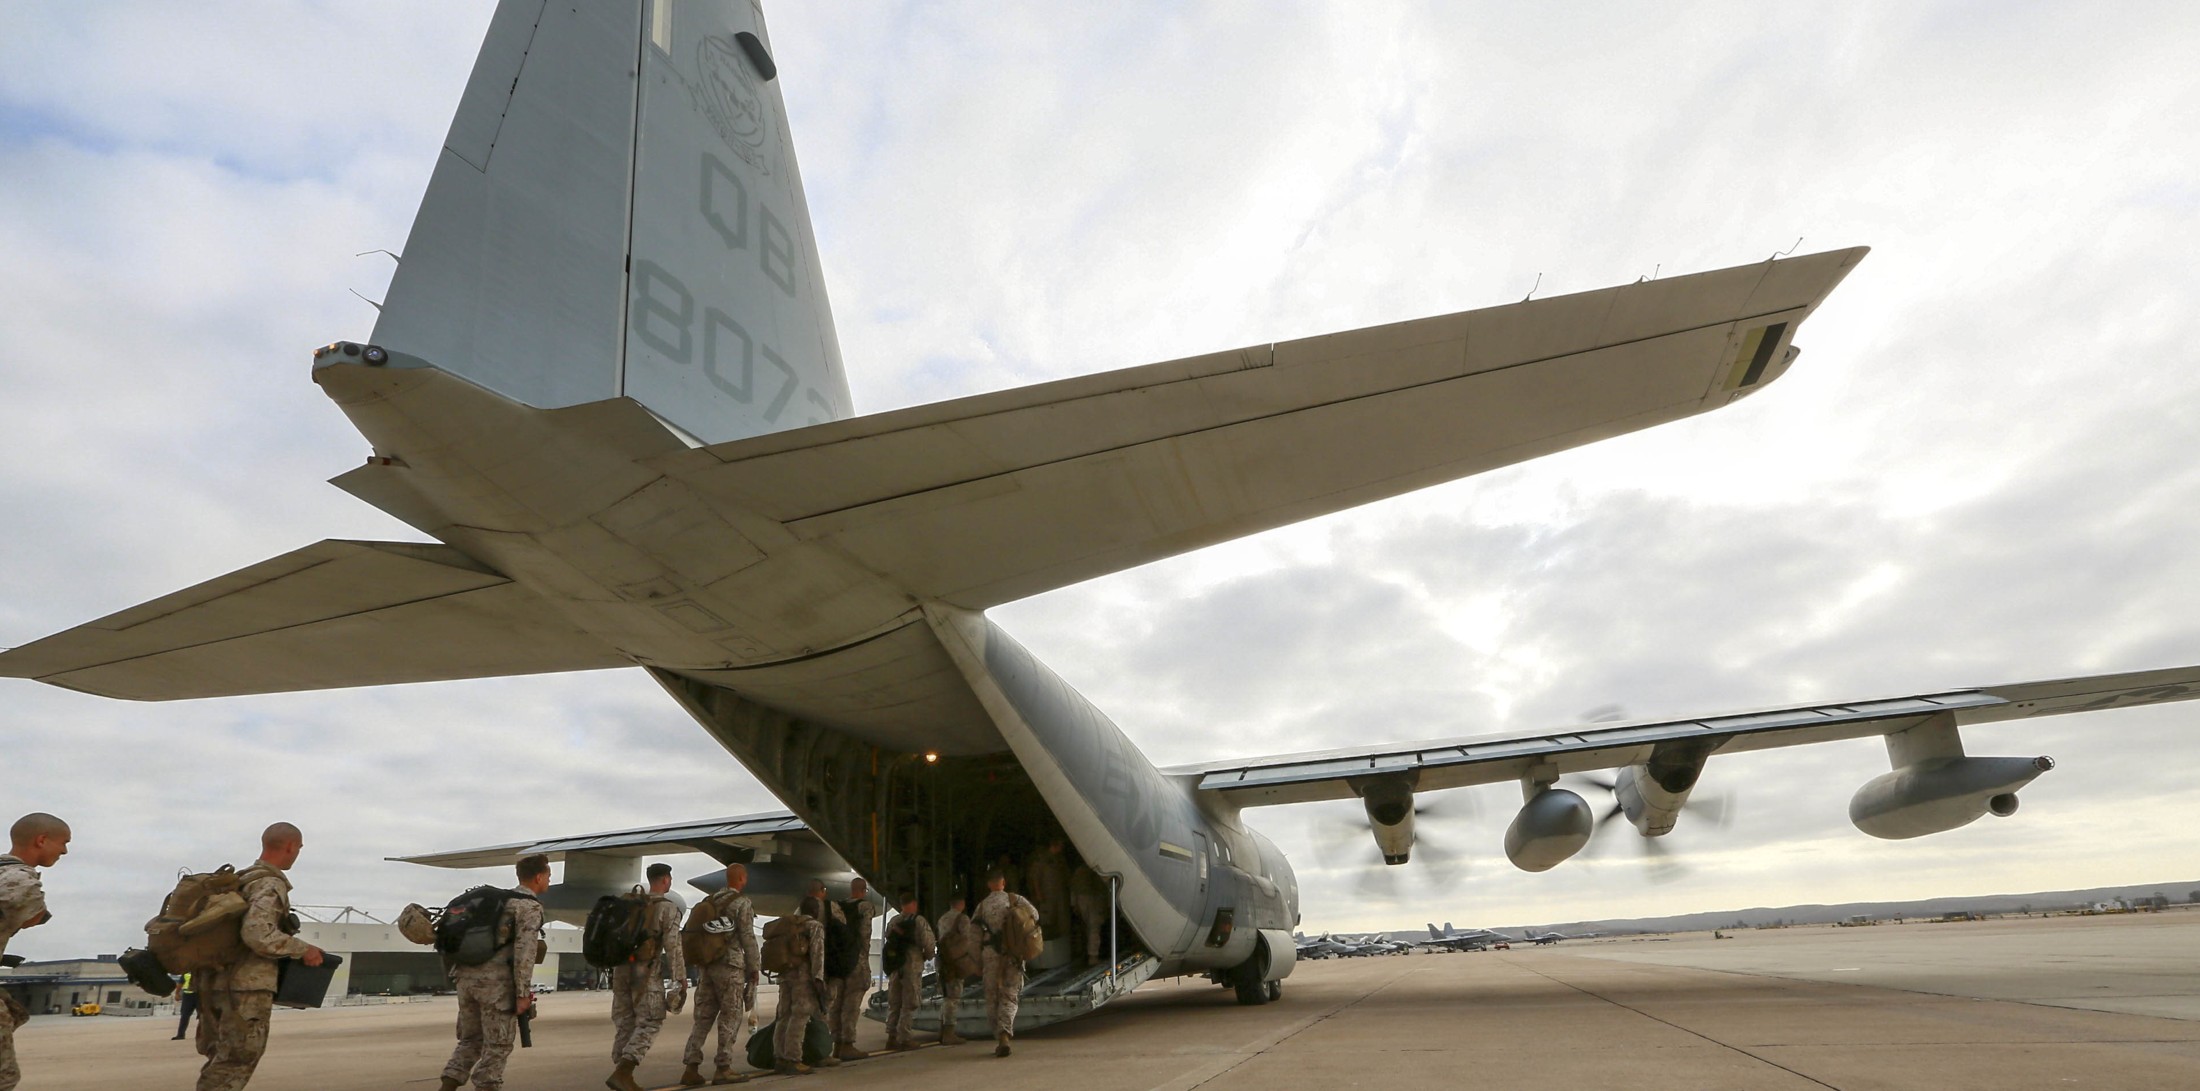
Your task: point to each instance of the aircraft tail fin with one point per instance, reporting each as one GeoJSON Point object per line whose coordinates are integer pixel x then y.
{"type": "Point", "coordinates": [616, 212]}
{"type": "Point", "coordinates": [1433, 933]}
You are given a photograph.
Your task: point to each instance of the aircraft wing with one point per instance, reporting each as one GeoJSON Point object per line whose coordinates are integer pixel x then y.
{"type": "Point", "coordinates": [993, 498]}
{"type": "Point", "coordinates": [336, 613]}
{"type": "Point", "coordinates": [1454, 763]}
{"type": "Point", "coordinates": [725, 839]}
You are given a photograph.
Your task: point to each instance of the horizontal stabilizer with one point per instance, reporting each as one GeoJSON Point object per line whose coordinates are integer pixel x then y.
{"type": "Point", "coordinates": [334, 614]}
{"type": "Point", "coordinates": [988, 499]}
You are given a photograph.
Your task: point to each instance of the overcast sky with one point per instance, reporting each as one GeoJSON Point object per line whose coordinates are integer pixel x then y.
{"type": "Point", "coordinates": [1981, 469]}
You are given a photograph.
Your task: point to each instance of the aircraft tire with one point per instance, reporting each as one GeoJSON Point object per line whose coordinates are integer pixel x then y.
{"type": "Point", "coordinates": [1251, 990]}
{"type": "Point", "coordinates": [1275, 991]}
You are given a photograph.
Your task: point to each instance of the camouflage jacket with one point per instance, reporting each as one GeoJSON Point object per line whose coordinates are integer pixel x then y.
{"type": "Point", "coordinates": [267, 930]}
{"type": "Point", "coordinates": [22, 900]}
{"type": "Point", "coordinates": [664, 922]}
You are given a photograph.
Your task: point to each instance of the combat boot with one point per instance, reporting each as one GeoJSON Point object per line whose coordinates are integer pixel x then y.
{"type": "Point", "coordinates": [449, 1084]}
{"type": "Point", "coordinates": [792, 1068]}
{"type": "Point", "coordinates": [692, 1076]}
{"type": "Point", "coordinates": [1000, 1045]}
{"type": "Point", "coordinates": [848, 1052]}
{"type": "Point", "coordinates": [948, 1037]}
{"type": "Point", "coordinates": [727, 1075]}
{"type": "Point", "coordinates": [622, 1078]}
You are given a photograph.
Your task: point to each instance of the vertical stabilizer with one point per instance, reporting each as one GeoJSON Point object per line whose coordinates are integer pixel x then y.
{"type": "Point", "coordinates": [617, 212]}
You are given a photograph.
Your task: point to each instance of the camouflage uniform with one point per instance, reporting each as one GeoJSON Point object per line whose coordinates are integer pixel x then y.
{"type": "Point", "coordinates": [234, 1001]}
{"type": "Point", "coordinates": [844, 995]}
{"type": "Point", "coordinates": [489, 996]}
{"type": "Point", "coordinates": [798, 996]}
{"type": "Point", "coordinates": [905, 983]}
{"type": "Point", "coordinates": [1004, 973]}
{"type": "Point", "coordinates": [22, 901]}
{"type": "Point", "coordinates": [1048, 875]}
{"type": "Point", "coordinates": [638, 987]}
{"type": "Point", "coordinates": [725, 989]}
{"type": "Point", "coordinates": [1088, 902]}
{"type": "Point", "coordinates": [951, 987]}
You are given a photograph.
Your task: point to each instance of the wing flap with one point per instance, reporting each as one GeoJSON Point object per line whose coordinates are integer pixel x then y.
{"type": "Point", "coordinates": [984, 500]}
{"type": "Point", "coordinates": [334, 614]}
{"type": "Point", "coordinates": [1455, 763]}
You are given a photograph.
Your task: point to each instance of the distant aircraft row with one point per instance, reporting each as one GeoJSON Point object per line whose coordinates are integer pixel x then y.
{"type": "Point", "coordinates": [1446, 938]}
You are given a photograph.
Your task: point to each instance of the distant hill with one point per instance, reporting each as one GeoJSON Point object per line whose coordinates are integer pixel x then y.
{"type": "Point", "coordinates": [2040, 902]}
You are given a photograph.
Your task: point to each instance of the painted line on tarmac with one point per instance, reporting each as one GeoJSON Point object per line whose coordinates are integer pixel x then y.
{"type": "Point", "coordinates": [1676, 1026]}
{"type": "Point", "coordinates": [1223, 1064]}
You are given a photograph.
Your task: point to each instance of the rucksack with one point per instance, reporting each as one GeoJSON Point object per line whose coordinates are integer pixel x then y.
{"type": "Point", "coordinates": [901, 937]}
{"type": "Point", "coordinates": [786, 944]}
{"type": "Point", "coordinates": [617, 931]}
{"type": "Point", "coordinates": [844, 947]}
{"type": "Point", "coordinates": [699, 943]}
{"type": "Point", "coordinates": [1019, 936]}
{"type": "Point", "coordinates": [199, 927]}
{"type": "Point", "coordinates": [958, 952]}
{"type": "Point", "coordinates": [468, 930]}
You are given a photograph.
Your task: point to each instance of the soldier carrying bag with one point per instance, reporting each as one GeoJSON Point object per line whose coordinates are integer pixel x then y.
{"type": "Point", "coordinates": [200, 924]}
{"type": "Point", "coordinates": [846, 944]}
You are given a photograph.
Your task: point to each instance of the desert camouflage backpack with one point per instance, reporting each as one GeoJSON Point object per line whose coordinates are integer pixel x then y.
{"type": "Point", "coordinates": [786, 944]}
{"type": "Point", "coordinates": [1019, 936]}
{"type": "Point", "coordinates": [199, 927]}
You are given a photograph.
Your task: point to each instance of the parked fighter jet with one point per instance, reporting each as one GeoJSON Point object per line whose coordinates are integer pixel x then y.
{"type": "Point", "coordinates": [1468, 939]}
{"type": "Point", "coordinates": [606, 384]}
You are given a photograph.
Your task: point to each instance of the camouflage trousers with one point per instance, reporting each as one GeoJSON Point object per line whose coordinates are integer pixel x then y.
{"type": "Point", "coordinates": [1004, 986]}
{"type": "Point", "coordinates": [951, 999]}
{"type": "Point", "coordinates": [637, 1011]}
{"type": "Point", "coordinates": [721, 999]}
{"type": "Point", "coordinates": [1092, 918]}
{"type": "Point", "coordinates": [10, 1073]}
{"type": "Point", "coordinates": [844, 1000]}
{"type": "Point", "coordinates": [797, 1001]}
{"type": "Point", "coordinates": [487, 1026]}
{"type": "Point", "coordinates": [903, 990]}
{"type": "Point", "coordinates": [232, 1036]}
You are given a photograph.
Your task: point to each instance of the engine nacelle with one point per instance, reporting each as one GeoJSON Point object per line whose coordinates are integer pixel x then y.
{"type": "Point", "coordinates": [1551, 826]}
{"type": "Point", "coordinates": [1939, 794]}
{"type": "Point", "coordinates": [1389, 804]}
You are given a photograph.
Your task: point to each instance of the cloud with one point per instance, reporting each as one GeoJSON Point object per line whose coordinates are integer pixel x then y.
{"type": "Point", "coordinates": [1980, 471]}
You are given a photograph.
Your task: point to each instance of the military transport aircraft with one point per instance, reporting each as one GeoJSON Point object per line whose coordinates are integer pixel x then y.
{"type": "Point", "coordinates": [605, 383]}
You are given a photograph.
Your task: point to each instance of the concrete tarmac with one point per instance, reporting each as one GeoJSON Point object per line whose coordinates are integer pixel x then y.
{"type": "Point", "coordinates": [2108, 1002]}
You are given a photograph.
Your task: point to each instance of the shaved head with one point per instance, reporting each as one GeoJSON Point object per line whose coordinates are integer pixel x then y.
{"type": "Point", "coordinates": [34, 825]}
{"type": "Point", "coordinates": [280, 845]}
{"type": "Point", "coordinates": [737, 876]}
{"type": "Point", "coordinates": [38, 839]}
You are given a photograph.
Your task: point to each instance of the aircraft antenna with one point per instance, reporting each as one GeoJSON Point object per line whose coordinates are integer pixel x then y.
{"type": "Point", "coordinates": [1789, 250]}
{"type": "Point", "coordinates": [1531, 289]}
{"type": "Point", "coordinates": [364, 299]}
{"type": "Point", "coordinates": [393, 257]}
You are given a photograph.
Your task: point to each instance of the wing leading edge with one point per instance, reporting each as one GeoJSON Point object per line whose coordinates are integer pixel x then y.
{"type": "Point", "coordinates": [334, 614]}
{"type": "Point", "coordinates": [1454, 763]}
{"type": "Point", "coordinates": [987, 499]}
